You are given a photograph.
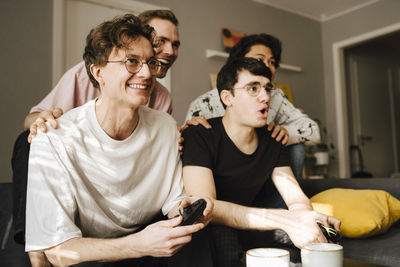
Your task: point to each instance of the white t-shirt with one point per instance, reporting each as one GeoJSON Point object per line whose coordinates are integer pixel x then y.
{"type": "Point", "coordinates": [300, 127]}
{"type": "Point", "coordinates": [83, 183]}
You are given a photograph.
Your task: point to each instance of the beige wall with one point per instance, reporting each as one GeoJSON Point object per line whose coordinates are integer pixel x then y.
{"type": "Point", "coordinates": [26, 75]}
{"type": "Point", "coordinates": [25, 69]}
{"type": "Point", "coordinates": [200, 28]}
{"type": "Point", "coordinates": [26, 32]}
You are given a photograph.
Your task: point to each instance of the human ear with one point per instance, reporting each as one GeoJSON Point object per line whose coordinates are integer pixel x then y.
{"type": "Point", "coordinates": [97, 73]}
{"type": "Point", "coordinates": [226, 97]}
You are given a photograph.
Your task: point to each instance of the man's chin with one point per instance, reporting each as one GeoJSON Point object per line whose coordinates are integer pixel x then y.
{"type": "Point", "coordinates": [162, 73]}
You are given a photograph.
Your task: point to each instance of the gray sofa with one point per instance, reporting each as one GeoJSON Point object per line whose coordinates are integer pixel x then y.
{"type": "Point", "coordinates": [382, 249]}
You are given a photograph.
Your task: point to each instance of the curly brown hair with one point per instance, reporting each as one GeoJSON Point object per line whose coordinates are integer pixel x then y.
{"type": "Point", "coordinates": [118, 33]}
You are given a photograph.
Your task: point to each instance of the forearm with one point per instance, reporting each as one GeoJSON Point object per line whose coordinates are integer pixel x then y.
{"type": "Point", "coordinates": [29, 119]}
{"type": "Point", "coordinates": [248, 218]}
{"type": "Point", "coordinates": [303, 131]}
{"type": "Point", "coordinates": [79, 250]}
{"type": "Point", "coordinates": [38, 259]}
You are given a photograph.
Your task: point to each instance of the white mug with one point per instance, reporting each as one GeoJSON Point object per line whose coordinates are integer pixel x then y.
{"type": "Point", "coordinates": [322, 254]}
{"type": "Point", "coordinates": [274, 257]}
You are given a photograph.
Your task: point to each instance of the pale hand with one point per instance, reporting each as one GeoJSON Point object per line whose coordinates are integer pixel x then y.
{"type": "Point", "coordinates": [304, 228]}
{"type": "Point", "coordinates": [279, 132]}
{"type": "Point", "coordinates": [164, 239]}
{"type": "Point", "coordinates": [46, 115]}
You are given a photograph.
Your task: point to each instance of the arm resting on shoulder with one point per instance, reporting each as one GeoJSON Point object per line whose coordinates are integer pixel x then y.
{"type": "Point", "coordinates": [29, 119]}
{"type": "Point", "coordinates": [300, 127]}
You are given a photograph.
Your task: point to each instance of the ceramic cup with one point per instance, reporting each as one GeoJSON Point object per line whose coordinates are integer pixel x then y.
{"type": "Point", "coordinates": [322, 254]}
{"type": "Point", "coordinates": [267, 257]}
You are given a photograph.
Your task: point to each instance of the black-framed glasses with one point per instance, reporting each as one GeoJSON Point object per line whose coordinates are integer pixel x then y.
{"type": "Point", "coordinates": [255, 89]}
{"type": "Point", "coordinates": [134, 65]}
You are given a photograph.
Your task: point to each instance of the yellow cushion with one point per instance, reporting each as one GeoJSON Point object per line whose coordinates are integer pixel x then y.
{"type": "Point", "coordinates": [363, 213]}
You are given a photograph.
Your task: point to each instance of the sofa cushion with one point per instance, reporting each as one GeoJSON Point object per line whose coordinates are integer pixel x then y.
{"type": "Point", "coordinates": [363, 213]}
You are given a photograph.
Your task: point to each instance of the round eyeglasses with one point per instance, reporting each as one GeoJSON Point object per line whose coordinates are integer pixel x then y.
{"type": "Point", "coordinates": [255, 89]}
{"type": "Point", "coordinates": [134, 65]}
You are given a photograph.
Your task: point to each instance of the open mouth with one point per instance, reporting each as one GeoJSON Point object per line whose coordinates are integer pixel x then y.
{"type": "Point", "coordinates": [164, 62]}
{"type": "Point", "coordinates": [264, 110]}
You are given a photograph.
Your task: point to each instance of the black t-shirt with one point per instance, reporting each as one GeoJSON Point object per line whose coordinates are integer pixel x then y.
{"type": "Point", "coordinates": [238, 177]}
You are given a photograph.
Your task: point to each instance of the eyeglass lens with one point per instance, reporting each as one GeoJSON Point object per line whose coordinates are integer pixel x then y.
{"type": "Point", "coordinates": [134, 65]}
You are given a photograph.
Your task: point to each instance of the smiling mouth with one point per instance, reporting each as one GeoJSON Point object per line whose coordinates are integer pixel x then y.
{"type": "Point", "coordinates": [138, 86]}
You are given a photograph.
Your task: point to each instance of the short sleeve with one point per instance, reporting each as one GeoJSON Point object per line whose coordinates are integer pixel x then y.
{"type": "Point", "coordinates": [51, 207]}
{"type": "Point", "coordinates": [197, 147]}
{"type": "Point", "coordinates": [283, 157]}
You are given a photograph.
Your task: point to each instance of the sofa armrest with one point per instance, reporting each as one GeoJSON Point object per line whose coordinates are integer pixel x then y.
{"type": "Point", "coordinates": [312, 187]}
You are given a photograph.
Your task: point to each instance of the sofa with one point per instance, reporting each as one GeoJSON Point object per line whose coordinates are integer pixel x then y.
{"type": "Point", "coordinates": [381, 249]}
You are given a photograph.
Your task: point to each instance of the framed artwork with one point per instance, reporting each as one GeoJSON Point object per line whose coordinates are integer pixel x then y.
{"type": "Point", "coordinates": [230, 38]}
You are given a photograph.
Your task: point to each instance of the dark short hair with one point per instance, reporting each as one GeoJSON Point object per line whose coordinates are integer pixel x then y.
{"type": "Point", "coordinates": [245, 44]}
{"type": "Point", "coordinates": [228, 75]}
{"type": "Point", "coordinates": [118, 33]}
{"type": "Point", "coordinates": [166, 14]}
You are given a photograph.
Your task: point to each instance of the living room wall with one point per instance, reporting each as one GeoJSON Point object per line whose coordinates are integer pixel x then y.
{"type": "Point", "coordinates": [200, 29]}
{"type": "Point", "coordinates": [25, 72]}
{"type": "Point", "coordinates": [370, 18]}
{"type": "Point", "coordinates": [26, 28]}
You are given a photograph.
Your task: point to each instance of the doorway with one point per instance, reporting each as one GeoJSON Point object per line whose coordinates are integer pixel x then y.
{"type": "Point", "coordinates": [372, 74]}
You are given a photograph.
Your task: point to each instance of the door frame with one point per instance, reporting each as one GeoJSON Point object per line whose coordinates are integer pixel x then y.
{"type": "Point", "coordinates": [58, 56]}
{"type": "Point", "coordinates": [340, 94]}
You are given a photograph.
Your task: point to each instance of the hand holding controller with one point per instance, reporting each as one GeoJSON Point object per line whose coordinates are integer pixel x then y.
{"type": "Point", "coordinates": [330, 233]}
{"type": "Point", "coordinates": [193, 212]}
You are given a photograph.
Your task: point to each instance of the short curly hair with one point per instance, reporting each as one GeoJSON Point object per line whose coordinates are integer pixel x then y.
{"type": "Point", "coordinates": [118, 33]}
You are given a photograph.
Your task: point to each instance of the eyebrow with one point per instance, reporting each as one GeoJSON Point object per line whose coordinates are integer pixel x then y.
{"type": "Point", "coordinates": [252, 83]}
{"type": "Point", "coordinates": [259, 54]}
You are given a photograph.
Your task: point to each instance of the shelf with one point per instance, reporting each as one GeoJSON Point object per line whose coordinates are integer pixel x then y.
{"type": "Point", "coordinates": [219, 54]}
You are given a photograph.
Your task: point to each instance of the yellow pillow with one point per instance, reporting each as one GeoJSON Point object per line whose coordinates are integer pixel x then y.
{"type": "Point", "coordinates": [363, 213]}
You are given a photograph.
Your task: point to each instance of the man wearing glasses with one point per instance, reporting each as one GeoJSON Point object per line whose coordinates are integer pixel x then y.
{"type": "Point", "coordinates": [232, 162]}
{"type": "Point", "coordinates": [294, 127]}
{"type": "Point", "coordinates": [75, 89]}
{"type": "Point", "coordinates": [98, 182]}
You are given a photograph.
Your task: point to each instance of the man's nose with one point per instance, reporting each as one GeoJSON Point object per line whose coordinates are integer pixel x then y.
{"type": "Point", "coordinates": [144, 71]}
{"type": "Point", "coordinates": [264, 95]}
{"type": "Point", "coordinates": [168, 49]}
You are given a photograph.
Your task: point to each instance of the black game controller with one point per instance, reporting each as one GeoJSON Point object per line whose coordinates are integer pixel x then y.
{"type": "Point", "coordinates": [330, 233]}
{"type": "Point", "coordinates": [193, 212]}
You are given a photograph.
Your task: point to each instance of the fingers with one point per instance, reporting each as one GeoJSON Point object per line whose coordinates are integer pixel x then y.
{"type": "Point", "coordinates": [279, 133]}
{"type": "Point", "coordinates": [40, 123]}
{"type": "Point", "coordinates": [335, 222]}
{"type": "Point", "coordinates": [196, 121]}
{"type": "Point", "coordinates": [271, 125]}
{"type": "Point", "coordinates": [30, 138]}
{"type": "Point", "coordinates": [57, 112]}
{"type": "Point", "coordinates": [209, 208]}
{"type": "Point", "coordinates": [180, 146]}
{"type": "Point", "coordinates": [275, 132]}
{"type": "Point", "coordinates": [285, 139]}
